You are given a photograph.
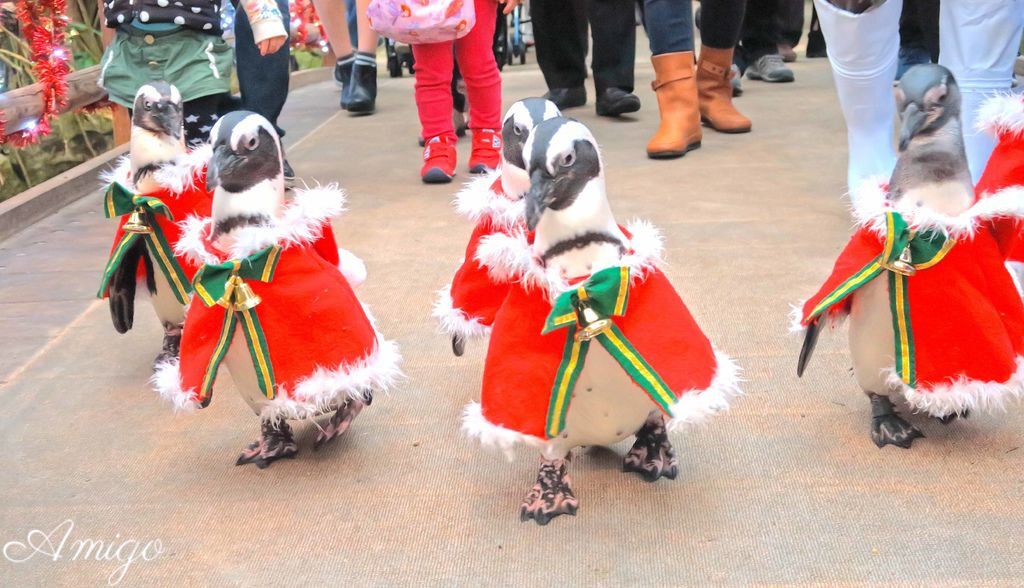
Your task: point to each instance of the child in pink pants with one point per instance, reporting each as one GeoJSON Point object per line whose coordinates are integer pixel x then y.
{"type": "Point", "coordinates": [483, 91]}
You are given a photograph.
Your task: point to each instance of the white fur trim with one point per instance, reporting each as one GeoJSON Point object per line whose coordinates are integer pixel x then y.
{"type": "Point", "coordinates": [166, 381]}
{"type": "Point", "coordinates": [476, 426]}
{"type": "Point", "coordinates": [1002, 114]}
{"type": "Point", "coordinates": [505, 255]}
{"type": "Point", "coordinates": [870, 203]}
{"type": "Point", "coordinates": [834, 317]}
{"type": "Point", "coordinates": [351, 267]}
{"type": "Point", "coordinates": [477, 201]}
{"type": "Point", "coordinates": [326, 389]}
{"type": "Point", "coordinates": [302, 221]}
{"type": "Point", "coordinates": [694, 407]}
{"type": "Point", "coordinates": [455, 321]}
{"type": "Point", "coordinates": [962, 394]}
{"type": "Point", "coordinates": [177, 176]}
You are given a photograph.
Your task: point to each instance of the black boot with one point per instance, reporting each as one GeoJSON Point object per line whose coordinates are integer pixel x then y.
{"type": "Point", "coordinates": [364, 84]}
{"type": "Point", "coordinates": [343, 77]}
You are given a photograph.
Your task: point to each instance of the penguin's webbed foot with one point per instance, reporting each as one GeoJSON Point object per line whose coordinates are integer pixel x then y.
{"type": "Point", "coordinates": [458, 345]}
{"type": "Point", "coordinates": [172, 345]}
{"type": "Point", "coordinates": [949, 418]}
{"type": "Point", "coordinates": [551, 496]}
{"type": "Point", "coordinates": [652, 455]}
{"type": "Point", "coordinates": [275, 442]}
{"type": "Point", "coordinates": [341, 421]}
{"type": "Point", "coordinates": [887, 428]}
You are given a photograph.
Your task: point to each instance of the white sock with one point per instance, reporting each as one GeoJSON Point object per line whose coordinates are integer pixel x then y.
{"type": "Point", "coordinates": [863, 50]}
{"type": "Point", "coordinates": [978, 42]}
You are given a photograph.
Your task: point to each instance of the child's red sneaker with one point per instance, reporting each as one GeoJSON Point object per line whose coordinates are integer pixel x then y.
{"type": "Point", "coordinates": [439, 159]}
{"type": "Point", "coordinates": [486, 154]}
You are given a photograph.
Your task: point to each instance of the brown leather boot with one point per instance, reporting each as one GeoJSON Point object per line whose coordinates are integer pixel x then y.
{"type": "Point", "coordinates": [714, 69]}
{"type": "Point", "coordinates": [676, 88]}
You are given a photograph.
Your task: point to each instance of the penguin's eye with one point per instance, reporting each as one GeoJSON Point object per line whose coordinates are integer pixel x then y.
{"type": "Point", "coordinates": [147, 105]}
{"type": "Point", "coordinates": [519, 130]}
{"type": "Point", "coordinates": [252, 142]}
{"type": "Point", "coordinates": [567, 159]}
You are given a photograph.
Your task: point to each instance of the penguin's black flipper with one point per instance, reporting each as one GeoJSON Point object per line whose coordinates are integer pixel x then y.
{"type": "Point", "coordinates": [810, 340]}
{"type": "Point", "coordinates": [121, 289]}
{"type": "Point", "coordinates": [458, 345]}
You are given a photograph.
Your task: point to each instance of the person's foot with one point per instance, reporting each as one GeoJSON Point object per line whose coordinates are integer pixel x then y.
{"type": "Point", "coordinates": [439, 161]}
{"type": "Point", "coordinates": [486, 154]}
{"type": "Point", "coordinates": [787, 53]}
{"type": "Point", "coordinates": [736, 81]}
{"type": "Point", "coordinates": [567, 97]}
{"type": "Point", "coordinates": [816, 44]}
{"type": "Point", "coordinates": [343, 78]}
{"type": "Point", "coordinates": [364, 84]}
{"type": "Point", "coordinates": [770, 68]}
{"type": "Point", "coordinates": [616, 102]}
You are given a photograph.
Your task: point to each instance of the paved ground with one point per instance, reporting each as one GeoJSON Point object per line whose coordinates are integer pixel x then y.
{"type": "Point", "coordinates": [784, 489]}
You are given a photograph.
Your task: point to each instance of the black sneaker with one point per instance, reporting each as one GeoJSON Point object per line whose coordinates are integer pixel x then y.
{"type": "Point", "coordinates": [567, 97]}
{"type": "Point", "coordinates": [616, 102]}
{"type": "Point", "coordinates": [364, 84]}
{"type": "Point", "coordinates": [343, 78]}
{"type": "Point", "coordinates": [770, 68]}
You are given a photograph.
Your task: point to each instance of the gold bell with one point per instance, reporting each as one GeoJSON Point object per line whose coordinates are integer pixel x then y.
{"type": "Point", "coordinates": [590, 323]}
{"type": "Point", "coordinates": [903, 265]}
{"type": "Point", "coordinates": [136, 223]}
{"type": "Point", "coordinates": [245, 298]}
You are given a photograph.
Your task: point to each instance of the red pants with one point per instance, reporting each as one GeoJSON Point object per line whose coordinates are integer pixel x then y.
{"type": "Point", "coordinates": [434, 63]}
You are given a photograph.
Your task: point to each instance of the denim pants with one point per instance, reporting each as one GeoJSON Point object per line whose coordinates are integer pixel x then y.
{"type": "Point", "coordinates": [263, 80]}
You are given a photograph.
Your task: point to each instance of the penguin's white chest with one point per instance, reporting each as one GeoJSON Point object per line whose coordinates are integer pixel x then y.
{"type": "Point", "coordinates": [871, 335]}
{"type": "Point", "coordinates": [243, 372]}
{"type": "Point", "coordinates": [166, 305]}
{"type": "Point", "coordinates": [606, 405]}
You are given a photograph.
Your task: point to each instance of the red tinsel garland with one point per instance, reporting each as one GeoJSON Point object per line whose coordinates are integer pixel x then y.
{"type": "Point", "coordinates": [43, 24]}
{"type": "Point", "coordinates": [303, 15]}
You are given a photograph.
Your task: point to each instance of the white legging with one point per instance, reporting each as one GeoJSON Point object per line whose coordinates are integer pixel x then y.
{"type": "Point", "coordinates": [979, 41]}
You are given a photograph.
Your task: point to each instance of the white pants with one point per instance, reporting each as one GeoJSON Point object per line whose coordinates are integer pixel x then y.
{"type": "Point", "coordinates": [979, 41]}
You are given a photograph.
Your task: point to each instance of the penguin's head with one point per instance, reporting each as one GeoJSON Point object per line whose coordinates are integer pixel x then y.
{"type": "Point", "coordinates": [157, 109]}
{"type": "Point", "coordinates": [245, 171]}
{"type": "Point", "coordinates": [928, 98]}
{"type": "Point", "coordinates": [565, 169]}
{"type": "Point", "coordinates": [519, 121]}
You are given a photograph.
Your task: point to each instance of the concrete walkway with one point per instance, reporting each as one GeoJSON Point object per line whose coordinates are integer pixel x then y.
{"type": "Point", "coordinates": [784, 489]}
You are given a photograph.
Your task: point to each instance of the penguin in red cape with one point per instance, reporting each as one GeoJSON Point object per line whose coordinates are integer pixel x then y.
{"type": "Point", "coordinates": [1003, 117]}
{"type": "Point", "coordinates": [592, 344]}
{"type": "Point", "coordinates": [152, 188]}
{"type": "Point", "coordinates": [465, 308]}
{"type": "Point", "coordinates": [934, 316]}
{"type": "Point", "coordinates": [270, 302]}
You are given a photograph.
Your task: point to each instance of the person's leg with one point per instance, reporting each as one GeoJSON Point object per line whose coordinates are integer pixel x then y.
{"type": "Point", "coordinates": [200, 116]}
{"type": "Point", "coordinates": [483, 89]}
{"type": "Point", "coordinates": [979, 43]}
{"type": "Point", "coordinates": [334, 19]}
{"type": "Point", "coordinates": [262, 79]}
{"type": "Point", "coordinates": [759, 54]}
{"type": "Point", "coordinates": [791, 23]}
{"type": "Point", "coordinates": [669, 25]}
{"type": "Point", "coordinates": [368, 37]}
{"type": "Point", "coordinates": [862, 49]}
{"type": "Point", "coordinates": [434, 63]}
{"type": "Point", "coordinates": [363, 99]}
{"type": "Point", "coordinates": [613, 29]}
{"type": "Point", "coordinates": [721, 24]}
{"type": "Point", "coordinates": [913, 47]}
{"type": "Point", "coordinates": [560, 40]}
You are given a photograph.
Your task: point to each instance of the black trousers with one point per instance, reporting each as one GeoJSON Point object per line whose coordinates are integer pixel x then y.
{"type": "Point", "coordinates": [760, 35]}
{"type": "Point", "coordinates": [262, 79]}
{"type": "Point", "coordinates": [919, 26]}
{"type": "Point", "coordinates": [560, 32]}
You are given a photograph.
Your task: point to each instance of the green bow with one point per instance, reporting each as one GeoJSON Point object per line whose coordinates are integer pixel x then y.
{"type": "Point", "coordinates": [224, 284]}
{"type": "Point", "coordinates": [119, 201]}
{"type": "Point", "coordinates": [606, 293]}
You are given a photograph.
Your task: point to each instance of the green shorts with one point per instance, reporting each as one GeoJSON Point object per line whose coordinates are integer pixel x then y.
{"type": "Point", "coordinates": [196, 63]}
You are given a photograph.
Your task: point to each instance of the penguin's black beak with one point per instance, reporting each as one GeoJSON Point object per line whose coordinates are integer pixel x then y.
{"type": "Point", "coordinates": [539, 197]}
{"type": "Point", "coordinates": [167, 118]}
{"type": "Point", "coordinates": [912, 120]}
{"type": "Point", "coordinates": [222, 158]}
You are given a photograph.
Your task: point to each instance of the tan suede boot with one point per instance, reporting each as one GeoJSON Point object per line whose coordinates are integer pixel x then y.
{"type": "Point", "coordinates": [676, 87]}
{"type": "Point", "coordinates": [714, 69]}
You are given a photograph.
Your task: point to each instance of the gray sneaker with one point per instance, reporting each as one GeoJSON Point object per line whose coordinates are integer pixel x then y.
{"type": "Point", "coordinates": [770, 68]}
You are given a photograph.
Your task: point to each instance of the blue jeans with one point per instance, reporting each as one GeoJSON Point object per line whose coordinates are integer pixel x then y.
{"type": "Point", "coordinates": [669, 25]}
{"type": "Point", "coordinates": [263, 80]}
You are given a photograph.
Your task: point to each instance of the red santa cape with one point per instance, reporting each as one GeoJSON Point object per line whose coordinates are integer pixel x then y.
{"type": "Point", "coordinates": [1003, 116]}
{"type": "Point", "coordinates": [958, 321]}
{"type": "Point", "coordinates": [312, 343]}
{"type": "Point", "coordinates": [523, 364]}
{"type": "Point", "coordinates": [183, 193]}
{"type": "Point", "coordinates": [467, 306]}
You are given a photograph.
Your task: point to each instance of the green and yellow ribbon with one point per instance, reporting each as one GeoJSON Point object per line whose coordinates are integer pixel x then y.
{"type": "Point", "coordinates": [926, 249]}
{"type": "Point", "coordinates": [607, 293]}
{"type": "Point", "coordinates": [224, 284]}
{"type": "Point", "coordinates": [120, 201]}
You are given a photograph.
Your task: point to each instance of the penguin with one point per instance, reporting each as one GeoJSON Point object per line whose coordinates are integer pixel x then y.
{"type": "Point", "coordinates": [592, 345]}
{"type": "Point", "coordinates": [915, 234]}
{"type": "Point", "coordinates": [160, 170]}
{"type": "Point", "coordinates": [272, 302]}
{"type": "Point", "coordinates": [465, 307]}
